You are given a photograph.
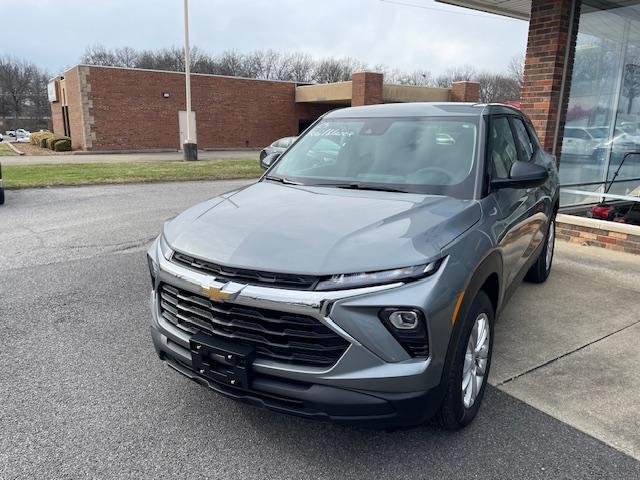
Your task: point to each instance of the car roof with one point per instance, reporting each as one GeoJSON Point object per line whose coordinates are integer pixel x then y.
{"type": "Point", "coordinates": [422, 109]}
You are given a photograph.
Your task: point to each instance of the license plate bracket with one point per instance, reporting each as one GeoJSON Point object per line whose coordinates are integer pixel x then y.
{"type": "Point", "coordinates": [221, 360]}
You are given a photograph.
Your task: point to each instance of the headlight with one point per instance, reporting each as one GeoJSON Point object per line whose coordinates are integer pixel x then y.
{"type": "Point", "coordinates": [153, 270]}
{"type": "Point", "coordinates": [355, 280]}
{"type": "Point", "coordinates": [165, 248]}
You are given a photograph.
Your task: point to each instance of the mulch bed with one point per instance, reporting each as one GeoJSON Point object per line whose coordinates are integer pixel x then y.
{"type": "Point", "coordinates": [29, 149]}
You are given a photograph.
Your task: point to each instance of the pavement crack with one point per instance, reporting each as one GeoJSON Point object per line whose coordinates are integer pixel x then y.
{"type": "Point", "coordinates": [555, 359]}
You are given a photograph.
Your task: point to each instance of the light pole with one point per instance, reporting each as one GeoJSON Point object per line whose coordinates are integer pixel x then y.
{"type": "Point", "coordinates": [190, 148]}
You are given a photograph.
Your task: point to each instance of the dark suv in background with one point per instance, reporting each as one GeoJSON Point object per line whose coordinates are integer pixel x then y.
{"type": "Point", "coordinates": [359, 280]}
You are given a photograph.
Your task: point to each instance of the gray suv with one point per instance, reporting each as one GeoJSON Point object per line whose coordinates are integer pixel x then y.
{"type": "Point", "coordinates": [360, 283]}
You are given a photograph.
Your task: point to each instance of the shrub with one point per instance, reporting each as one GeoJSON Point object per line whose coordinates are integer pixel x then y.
{"type": "Point", "coordinates": [61, 144]}
{"type": "Point", "coordinates": [37, 137]}
{"type": "Point", "coordinates": [50, 140]}
{"type": "Point", "coordinates": [43, 140]}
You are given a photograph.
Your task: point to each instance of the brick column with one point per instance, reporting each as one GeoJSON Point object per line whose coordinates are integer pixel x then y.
{"type": "Point", "coordinates": [465, 92]}
{"type": "Point", "coordinates": [366, 88]}
{"type": "Point", "coordinates": [544, 99]}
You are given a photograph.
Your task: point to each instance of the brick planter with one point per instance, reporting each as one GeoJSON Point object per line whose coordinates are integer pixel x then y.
{"type": "Point", "coordinates": [599, 233]}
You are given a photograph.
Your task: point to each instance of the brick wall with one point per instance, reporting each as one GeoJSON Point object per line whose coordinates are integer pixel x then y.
{"type": "Point", "coordinates": [131, 109]}
{"type": "Point", "coordinates": [465, 92]}
{"type": "Point", "coordinates": [367, 89]}
{"type": "Point", "coordinates": [57, 124]}
{"type": "Point", "coordinates": [599, 233]}
{"type": "Point", "coordinates": [75, 102]}
{"type": "Point", "coordinates": [549, 30]}
{"type": "Point", "coordinates": [230, 112]}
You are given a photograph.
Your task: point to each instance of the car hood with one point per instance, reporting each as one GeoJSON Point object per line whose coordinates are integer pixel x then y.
{"type": "Point", "coordinates": [319, 230]}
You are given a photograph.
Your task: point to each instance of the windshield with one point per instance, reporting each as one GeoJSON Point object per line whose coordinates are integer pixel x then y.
{"type": "Point", "coordinates": [431, 155]}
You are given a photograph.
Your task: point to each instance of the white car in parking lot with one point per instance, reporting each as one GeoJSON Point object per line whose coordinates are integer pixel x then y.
{"type": "Point", "coordinates": [19, 133]}
{"type": "Point", "coordinates": [579, 141]}
{"type": "Point", "coordinates": [592, 141]}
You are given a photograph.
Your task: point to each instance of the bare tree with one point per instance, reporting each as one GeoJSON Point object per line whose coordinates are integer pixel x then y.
{"type": "Point", "coordinates": [496, 87]}
{"type": "Point", "coordinates": [231, 63]}
{"type": "Point", "coordinates": [301, 67]}
{"type": "Point", "coordinates": [336, 69]}
{"type": "Point", "coordinates": [17, 82]}
{"type": "Point", "coordinates": [418, 78]}
{"type": "Point", "coordinates": [126, 57]}
{"type": "Point", "coordinates": [515, 70]}
{"type": "Point", "coordinates": [631, 84]}
{"type": "Point", "coordinates": [98, 55]}
{"type": "Point", "coordinates": [464, 73]}
{"type": "Point", "coordinates": [38, 97]}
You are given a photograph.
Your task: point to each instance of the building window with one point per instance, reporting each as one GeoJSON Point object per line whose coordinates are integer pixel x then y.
{"type": "Point", "coordinates": [603, 116]}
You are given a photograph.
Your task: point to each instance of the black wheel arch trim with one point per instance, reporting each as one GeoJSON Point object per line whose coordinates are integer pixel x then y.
{"type": "Point", "coordinates": [490, 265]}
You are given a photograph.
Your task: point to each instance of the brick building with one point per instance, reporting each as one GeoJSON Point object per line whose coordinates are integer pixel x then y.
{"type": "Point", "coordinates": [582, 92]}
{"type": "Point", "coordinates": [107, 108]}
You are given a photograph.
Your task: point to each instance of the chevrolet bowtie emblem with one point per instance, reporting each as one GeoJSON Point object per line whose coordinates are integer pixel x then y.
{"type": "Point", "coordinates": [216, 294]}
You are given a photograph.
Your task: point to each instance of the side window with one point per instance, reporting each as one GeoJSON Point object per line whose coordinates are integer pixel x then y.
{"type": "Point", "coordinates": [503, 147]}
{"type": "Point", "coordinates": [523, 139]}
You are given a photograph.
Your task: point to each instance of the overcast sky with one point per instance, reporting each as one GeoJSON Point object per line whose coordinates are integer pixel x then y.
{"type": "Point", "coordinates": [54, 33]}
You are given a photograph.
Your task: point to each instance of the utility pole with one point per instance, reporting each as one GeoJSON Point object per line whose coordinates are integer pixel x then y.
{"type": "Point", "coordinates": [190, 147]}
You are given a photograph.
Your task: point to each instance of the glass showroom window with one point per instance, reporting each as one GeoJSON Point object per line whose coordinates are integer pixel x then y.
{"type": "Point", "coordinates": [603, 116]}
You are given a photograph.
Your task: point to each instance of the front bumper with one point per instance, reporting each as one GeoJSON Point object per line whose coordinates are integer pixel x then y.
{"type": "Point", "coordinates": [374, 382]}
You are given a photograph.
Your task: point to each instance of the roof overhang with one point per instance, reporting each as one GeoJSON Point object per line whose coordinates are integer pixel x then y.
{"type": "Point", "coordinates": [520, 9]}
{"type": "Point", "coordinates": [341, 93]}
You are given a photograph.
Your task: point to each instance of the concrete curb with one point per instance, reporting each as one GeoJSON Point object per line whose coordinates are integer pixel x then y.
{"type": "Point", "coordinates": [158, 150]}
{"type": "Point", "coordinates": [117, 152]}
{"type": "Point", "coordinates": [16, 151]}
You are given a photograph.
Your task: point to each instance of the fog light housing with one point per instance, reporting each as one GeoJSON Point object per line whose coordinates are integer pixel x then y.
{"type": "Point", "coordinates": [409, 328]}
{"type": "Point", "coordinates": [404, 319]}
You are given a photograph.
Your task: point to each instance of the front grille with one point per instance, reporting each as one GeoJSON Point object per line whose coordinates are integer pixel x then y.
{"type": "Point", "coordinates": [251, 277]}
{"type": "Point", "coordinates": [279, 336]}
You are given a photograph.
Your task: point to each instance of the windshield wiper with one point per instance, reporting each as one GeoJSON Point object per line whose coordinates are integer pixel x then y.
{"type": "Point", "coordinates": [360, 186]}
{"type": "Point", "coordinates": [284, 180]}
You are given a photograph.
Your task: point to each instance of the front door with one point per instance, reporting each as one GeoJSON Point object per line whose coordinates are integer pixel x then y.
{"type": "Point", "coordinates": [514, 229]}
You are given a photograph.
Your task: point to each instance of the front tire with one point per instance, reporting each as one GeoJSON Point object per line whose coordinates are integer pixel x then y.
{"type": "Point", "coordinates": [539, 271]}
{"type": "Point", "coordinates": [466, 380]}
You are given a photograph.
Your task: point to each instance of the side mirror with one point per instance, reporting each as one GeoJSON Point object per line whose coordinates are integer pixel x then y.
{"type": "Point", "coordinates": [522, 175]}
{"type": "Point", "coordinates": [269, 160]}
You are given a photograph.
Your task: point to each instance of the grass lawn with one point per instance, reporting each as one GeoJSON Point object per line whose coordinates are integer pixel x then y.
{"type": "Point", "coordinates": [5, 150]}
{"type": "Point", "coordinates": [23, 176]}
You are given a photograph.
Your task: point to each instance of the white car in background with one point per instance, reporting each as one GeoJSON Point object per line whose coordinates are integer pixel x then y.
{"type": "Point", "coordinates": [22, 136]}
{"type": "Point", "coordinates": [596, 141]}
{"type": "Point", "coordinates": [19, 133]}
{"type": "Point", "coordinates": [579, 141]}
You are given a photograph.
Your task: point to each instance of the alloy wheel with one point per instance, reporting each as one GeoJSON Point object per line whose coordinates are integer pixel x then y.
{"type": "Point", "coordinates": [551, 240]}
{"type": "Point", "coordinates": [475, 360]}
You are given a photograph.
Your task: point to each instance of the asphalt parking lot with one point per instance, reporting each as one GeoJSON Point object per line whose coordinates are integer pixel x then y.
{"type": "Point", "coordinates": [82, 393]}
